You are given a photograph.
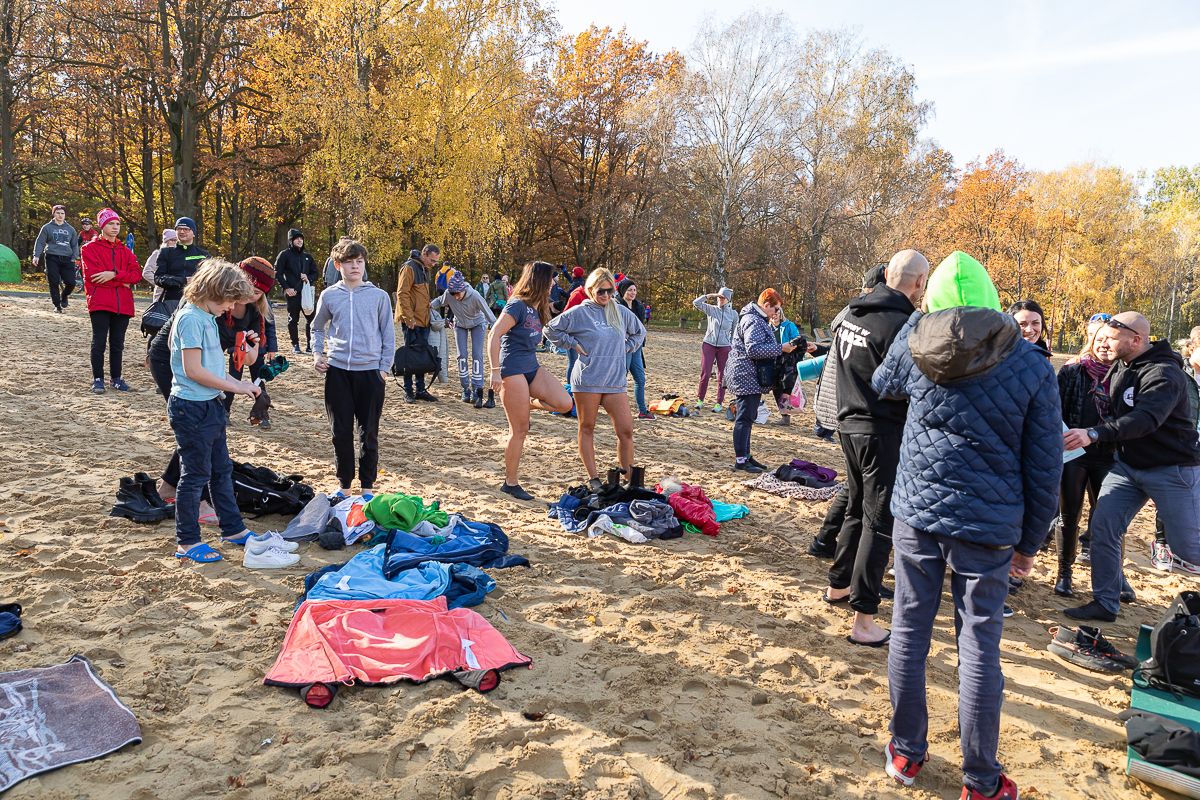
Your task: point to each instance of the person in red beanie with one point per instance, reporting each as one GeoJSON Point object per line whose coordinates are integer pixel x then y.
{"type": "Point", "coordinates": [109, 273]}
{"type": "Point", "coordinates": [253, 318]}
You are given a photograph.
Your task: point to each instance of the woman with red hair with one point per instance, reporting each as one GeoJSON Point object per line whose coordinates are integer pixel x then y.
{"type": "Point", "coordinates": [748, 373]}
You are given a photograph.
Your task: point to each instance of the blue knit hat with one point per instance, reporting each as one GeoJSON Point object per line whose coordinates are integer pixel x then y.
{"type": "Point", "coordinates": [455, 283]}
{"type": "Point", "coordinates": [186, 222]}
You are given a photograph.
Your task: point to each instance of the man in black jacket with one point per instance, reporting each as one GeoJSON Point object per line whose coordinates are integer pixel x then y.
{"type": "Point", "coordinates": [1158, 458]}
{"type": "Point", "coordinates": [294, 268]}
{"type": "Point", "coordinates": [176, 265]}
{"type": "Point", "coordinates": [870, 429]}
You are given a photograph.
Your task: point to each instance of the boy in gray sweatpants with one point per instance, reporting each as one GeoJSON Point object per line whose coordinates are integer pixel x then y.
{"type": "Point", "coordinates": [471, 319]}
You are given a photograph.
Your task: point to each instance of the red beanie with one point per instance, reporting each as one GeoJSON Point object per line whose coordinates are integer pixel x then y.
{"type": "Point", "coordinates": [577, 272]}
{"type": "Point", "coordinates": [260, 273]}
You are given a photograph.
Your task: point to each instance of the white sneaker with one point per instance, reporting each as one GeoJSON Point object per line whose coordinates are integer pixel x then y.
{"type": "Point", "coordinates": [267, 557]}
{"type": "Point", "coordinates": [718, 408]}
{"type": "Point", "coordinates": [273, 539]}
{"type": "Point", "coordinates": [1160, 557]}
{"type": "Point", "coordinates": [1186, 567]}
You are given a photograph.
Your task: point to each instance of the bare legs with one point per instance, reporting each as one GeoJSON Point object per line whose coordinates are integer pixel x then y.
{"type": "Point", "coordinates": [518, 397]}
{"type": "Point", "coordinates": [617, 405]}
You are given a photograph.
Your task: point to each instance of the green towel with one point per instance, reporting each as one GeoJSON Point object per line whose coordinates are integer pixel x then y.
{"type": "Point", "coordinates": [403, 512]}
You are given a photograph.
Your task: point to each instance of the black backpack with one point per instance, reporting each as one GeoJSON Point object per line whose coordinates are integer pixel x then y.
{"type": "Point", "coordinates": [1174, 663]}
{"type": "Point", "coordinates": [419, 358]}
{"type": "Point", "coordinates": [260, 491]}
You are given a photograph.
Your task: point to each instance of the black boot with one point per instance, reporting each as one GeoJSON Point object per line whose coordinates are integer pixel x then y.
{"type": "Point", "coordinates": [150, 492]}
{"type": "Point", "coordinates": [614, 477]}
{"type": "Point", "coordinates": [466, 395]}
{"type": "Point", "coordinates": [479, 398]}
{"type": "Point", "coordinates": [596, 489]}
{"type": "Point", "coordinates": [132, 504]}
{"type": "Point", "coordinates": [491, 401]}
{"type": "Point", "coordinates": [637, 477]}
{"type": "Point", "coordinates": [1065, 543]}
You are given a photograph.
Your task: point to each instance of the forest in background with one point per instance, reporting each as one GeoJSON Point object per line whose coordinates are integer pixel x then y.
{"type": "Point", "coordinates": [762, 156]}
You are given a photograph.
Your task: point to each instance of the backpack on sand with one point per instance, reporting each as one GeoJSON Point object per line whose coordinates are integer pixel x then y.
{"type": "Point", "coordinates": [1174, 663]}
{"type": "Point", "coordinates": [260, 491]}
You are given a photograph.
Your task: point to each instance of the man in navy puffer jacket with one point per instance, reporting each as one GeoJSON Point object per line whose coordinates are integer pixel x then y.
{"type": "Point", "coordinates": [981, 459]}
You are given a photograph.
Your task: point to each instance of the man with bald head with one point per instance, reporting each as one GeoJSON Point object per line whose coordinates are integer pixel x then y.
{"type": "Point", "coordinates": [870, 429]}
{"type": "Point", "coordinates": [1158, 458]}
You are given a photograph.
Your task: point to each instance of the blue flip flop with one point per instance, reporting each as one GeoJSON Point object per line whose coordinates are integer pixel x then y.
{"type": "Point", "coordinates": [241, 540]}
{"type": "Point", "coordinates": [201, 554]}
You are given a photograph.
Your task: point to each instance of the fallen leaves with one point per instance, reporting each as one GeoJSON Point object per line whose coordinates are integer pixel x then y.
{"type": "Point", "coordinates": [235, 783]}
{"type": "Point", "coordinates": [117, 572]}
{"type": "Point", "coordinates": [415, 748]}
{"type": "Point", "coordinates": [534, 716]}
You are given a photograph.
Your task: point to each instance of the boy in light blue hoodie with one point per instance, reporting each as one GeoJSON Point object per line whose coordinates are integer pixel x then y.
{"type": "Point", "coordinates": [355, 355]}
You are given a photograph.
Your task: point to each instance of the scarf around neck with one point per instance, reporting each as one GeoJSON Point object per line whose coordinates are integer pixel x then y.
{"type": "Point", "coordinates": [1096, 371]}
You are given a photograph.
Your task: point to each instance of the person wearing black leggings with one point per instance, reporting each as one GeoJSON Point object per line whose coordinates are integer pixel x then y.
{"type": "Point", "coordinates": [1085, 403]}
{"type": "Point", "coordinates": [109, 273]}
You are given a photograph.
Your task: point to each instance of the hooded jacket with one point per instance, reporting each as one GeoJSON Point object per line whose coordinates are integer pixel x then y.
{"type": "Point", "coordinates": [361, 333]}
{"type": "Point", "coordinates": [470, 312]}
{"type": "Point", "coordinates": [412, 293]}
{"type": "Point", "coordinates": [1152, 416]}
{"type": "Point", "coordinates": [57, 240]}
{"type": "Point", "coordinates": [981, 454]}
{"type": "Point", "coordinates": [603, 369]}
{"type": "Point", "coordinates": [753, 340]}
{"type": "Point", "coordinates": [825, 404]}
{"type": "Point", "coordinates": [175, 265]}
{"type": "Point", "coordinates": [863, 339]}
{"type": "Point", "coordinates": [115, 295]}
{"type": "Point", "coordinates": [722, 320]}
{"type": "Point", "coordinates": [293, 262]}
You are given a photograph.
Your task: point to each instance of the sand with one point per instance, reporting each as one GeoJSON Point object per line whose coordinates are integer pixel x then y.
{"type": "Point", "coordinates": [695, 668]}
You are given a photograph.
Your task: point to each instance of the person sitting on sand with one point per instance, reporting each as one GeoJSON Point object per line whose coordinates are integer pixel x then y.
{"type": "Point", "coordinates": [602, 331]}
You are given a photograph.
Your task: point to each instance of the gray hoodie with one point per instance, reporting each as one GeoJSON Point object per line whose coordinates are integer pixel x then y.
{"type": "Point", "coordinates": [361, 333]}
{"type": "Point", "coordinates": [57, 240]}
{"type": "Point", "coordinates": [721, 322]}
{"type": "Point", "coordinates": [603, 369]}
{"type": "Point", "coordinates": [470, 312]}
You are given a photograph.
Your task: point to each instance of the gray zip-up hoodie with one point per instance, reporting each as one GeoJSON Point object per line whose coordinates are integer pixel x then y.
{"type": "Point", "coordinates": [361, 333]}
{"type": "Point", "coordinates": [603, 369]}
{"type": "Point", "coordinates": [721, 322]}
{"type": "Point", "coordinates": [57, 240]}
{"type": "Point", "coordinates": [470, 312]}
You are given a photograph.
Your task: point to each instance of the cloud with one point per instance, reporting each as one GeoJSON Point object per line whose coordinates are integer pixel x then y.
{"type": "Point", "coordinates": [1178, 42]}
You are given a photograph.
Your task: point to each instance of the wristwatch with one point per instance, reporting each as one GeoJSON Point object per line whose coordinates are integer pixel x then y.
{"type": "Point", "coordinates": [1092, 434]}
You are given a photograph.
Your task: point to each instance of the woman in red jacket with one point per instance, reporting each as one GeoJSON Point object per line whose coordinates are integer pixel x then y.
{"type": "Point", "coordinates": [109, 273]}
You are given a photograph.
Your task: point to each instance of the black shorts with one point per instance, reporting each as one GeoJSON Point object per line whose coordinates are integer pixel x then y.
{"type": "Point", "coordinates": [528, 376]}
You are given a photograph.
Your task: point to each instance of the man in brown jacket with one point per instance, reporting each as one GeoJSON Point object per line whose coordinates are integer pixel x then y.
{"type": "Point", "coordinates": [412, 310]}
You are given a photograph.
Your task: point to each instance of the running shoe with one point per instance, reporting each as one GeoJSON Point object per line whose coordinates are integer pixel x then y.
{"type": "Point", "coordinates": [1186, 567]}
{"type": "Point", "coordinates": [1007, 791]}
{"type": "Point", "coordinates": [1008, 611]}
{"type": "Point", "coordinates": [699, 404]}
{"type": "Point", "coordinates": [120, 385]}
{"type": "Point", "coordinates": [1085, 554]}
{"type": "Point", "coordinates": [272, 539]}
{"type": "Point", "coordinates": [1160, 556]}
{"type": "Point", "coordinates": [1087, 647]}
{"type": "Point", "coordinates": [98, 386]}
{"type": "Point", "coordinates": [901, 768]}
{"type": "Point", "coordinates": [645, 415]}
{"type": "Point", "coordinates": [295, 348]}
{"type": "Point", "coordinates": [266, 557]}
{"type": "Point", "coordinates": [718, 408]}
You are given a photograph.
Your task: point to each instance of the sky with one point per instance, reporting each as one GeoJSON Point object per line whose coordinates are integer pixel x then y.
{"type": "Point", "coordinates": [1050, 83]}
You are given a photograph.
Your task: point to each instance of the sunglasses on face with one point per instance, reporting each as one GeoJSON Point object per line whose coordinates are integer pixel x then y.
{"type": "Point", "coordinates": [1100, 318]}
{"type": "Point", "coordinates": [606, 291]}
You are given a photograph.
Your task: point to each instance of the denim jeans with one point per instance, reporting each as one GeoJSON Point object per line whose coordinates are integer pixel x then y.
{"type": "Point", "coordinates": [979, 586]}
{"type": "Point", "coordinates": [572, 355]}
{"type": "Point", "coordinates": [204, 460]}
{"type": "Point", "coordinates": [635, 363]}
{"type": "Point", "coordinates": [1122, 495]}
{"type": "Point", "coordinates": [411, 337]}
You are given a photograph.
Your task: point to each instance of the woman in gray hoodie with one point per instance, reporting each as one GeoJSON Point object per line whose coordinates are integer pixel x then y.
{"type": "Point", "coordinates": [602, 331]}
{"type": "Point", "coordinates": [472, 317]}
{"type": "Point", "coordinates": [722, 319]}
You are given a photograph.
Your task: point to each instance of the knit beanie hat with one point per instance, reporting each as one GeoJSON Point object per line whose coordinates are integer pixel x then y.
{"type": "Point", "coordinates": [455, 283]}
{"type": "Point", "coordinates": [260, 273]}
{"type": "Point", "coordinates": [169, 233]}
{"type": "Point", "coordinates": [577, 272]}
{"type": "Point", "coordinates": [726, 292]}
{"type": "Point", "coordinates": [186, 222]}
{"type": "Point", "coordinates": [106, 216]}
{"type": "Point", "coordinates": [875, 276]}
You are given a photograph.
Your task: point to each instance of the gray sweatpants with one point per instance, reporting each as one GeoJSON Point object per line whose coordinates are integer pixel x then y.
{"type": "Point", "coordinates": [979, 586]}
{"type": "Point", "coordinates": [1122, 495]}
{"type": "Point", "coordinates": [470, 373]}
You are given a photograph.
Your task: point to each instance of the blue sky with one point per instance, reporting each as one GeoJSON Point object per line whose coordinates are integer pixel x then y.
{"type": "Point", "coordinates": [1049, 82]}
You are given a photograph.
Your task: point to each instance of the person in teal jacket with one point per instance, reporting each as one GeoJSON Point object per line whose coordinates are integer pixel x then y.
{"type": "Point", "coordinates": [785, 330]}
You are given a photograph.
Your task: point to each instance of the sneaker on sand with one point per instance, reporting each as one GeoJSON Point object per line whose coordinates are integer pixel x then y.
{"type": "Point", "coordinates": [261, 556]}
{"type": "Point", "coordinates": [272, 539]}
{"type": "Point", "coordinates": [718, 408]}
{"type": "Point", "coordinates": [1007, 791]}
{"type": "Point", "coordinates": [120, 385]}
{"type": "Point", "coordinates": [1087, 647]}
{"type": "Point", "coordinates": [98, 386]}
{"type": "Point", "coordinates": [1160, 556]}
{"type": "Point", "coordinates": [645, 415]}
{"type": "Point", "coordinates": [699, 404]}
{"type": "Point", "coordinates": [902, 769]}
{"type": "Point", "coordinates": [1185, 567]}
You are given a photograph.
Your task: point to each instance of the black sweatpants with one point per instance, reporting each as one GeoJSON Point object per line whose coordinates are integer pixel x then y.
{"type": "Point", "coordinates": [835, 517]}
{"type": "Point", "coordinates": [294, 313]}
{"type": "Point", "coordinates": [59, 269]}
{"type": "Point", "coordinates": [865, 541]}
{"type": "Point", "coordinates": [108, 328]}
{"type": "Point", "coordinates": [355, 397]}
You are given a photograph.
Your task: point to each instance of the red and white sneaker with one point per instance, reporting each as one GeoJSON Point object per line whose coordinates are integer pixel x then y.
{"type": "Point", "coordinates": [1185, 567]}
{"type": "Point", "coordinates": [1160, 556]}
{"type": "Point", "coordinates": [1007, 791]}
{"type": "Point", "coordinates": [902, 769]}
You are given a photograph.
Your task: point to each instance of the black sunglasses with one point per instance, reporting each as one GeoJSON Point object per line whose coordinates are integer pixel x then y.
{"type": "Point", "coordinates": [606, 291]}
{"type": "Point", "coordinates": [1116, 323]}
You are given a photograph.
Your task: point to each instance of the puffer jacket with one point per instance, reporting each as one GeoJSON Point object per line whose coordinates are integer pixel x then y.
{"type": "Point", "coordinates": [1076, 393]}
{"type": "Point", "coordinates": [116, 295]}
{"type": "Point", "coordinates": [753, 340]}
{"type": "Point", "coordinates": [981, 455]}
{"type": "Point", "coordinates": [825, 404]}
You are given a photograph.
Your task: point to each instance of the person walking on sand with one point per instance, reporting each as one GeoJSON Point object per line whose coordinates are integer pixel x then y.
{"type": "Point", "coordinates": [295, 268]}
{"type": "Point", "coordinates": [977, 487]}
{"type": "Point", "coordinates": [59, 242]}
{"type": "Point", "coordinates": [602, 331]}
{"type": "Point", "coordinates": [718, 339]}
{"type": "Point", "coordinates": [109, 274]}
{"type": "Point", "coordinates": [515, 374]}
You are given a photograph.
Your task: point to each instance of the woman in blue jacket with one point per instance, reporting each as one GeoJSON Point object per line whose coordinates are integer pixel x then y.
{"type": "Point", "coordinates": [754, 344]}
{"type": "Point", "coordinates": [785, 331]}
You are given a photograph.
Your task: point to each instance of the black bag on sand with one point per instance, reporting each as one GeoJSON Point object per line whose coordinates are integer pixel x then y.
{"type": "Point", "coordinates": [419, 358]}
{"type": "Point", "coordinates": [1174, 663]}
{"type": "Point", "coordinates": [260, 491]}
{"type": "Point", "coordinates": [154, 317]}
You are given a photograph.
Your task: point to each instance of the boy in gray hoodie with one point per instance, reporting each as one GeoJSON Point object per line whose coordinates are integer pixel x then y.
{"type": "Point", "coordinates": [60, 244]}
{"type": "Point", "coordinates": [471, 319]}
{"type": "Point", "coordinates": [355, 356]}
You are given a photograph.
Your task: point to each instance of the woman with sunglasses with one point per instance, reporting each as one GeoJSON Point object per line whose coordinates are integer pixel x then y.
{"type": "Point", "coordinates": [602, 332]}
{"type": "Point", "coordinates": [1031, 318]}
{"type": "Point", "coordinates": [754, 346]}
{"type": "Point", "coordinates": [1083, 389]}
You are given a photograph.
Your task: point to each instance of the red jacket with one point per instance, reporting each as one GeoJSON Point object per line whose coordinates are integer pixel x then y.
{"type": "Point", "coordinates": [578, 295]}
{"type": "Point", "coordinates": [692, 505]}
{"type": "Point", "coordinates": [116, 295]}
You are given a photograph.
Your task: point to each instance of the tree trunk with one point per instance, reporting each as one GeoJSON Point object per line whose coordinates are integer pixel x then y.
{"type": "Point", "coordinates": [8, 182]}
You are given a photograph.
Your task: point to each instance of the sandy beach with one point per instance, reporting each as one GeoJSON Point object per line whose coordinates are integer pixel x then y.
{"type": "Point", "coordinates": [701, 667]}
